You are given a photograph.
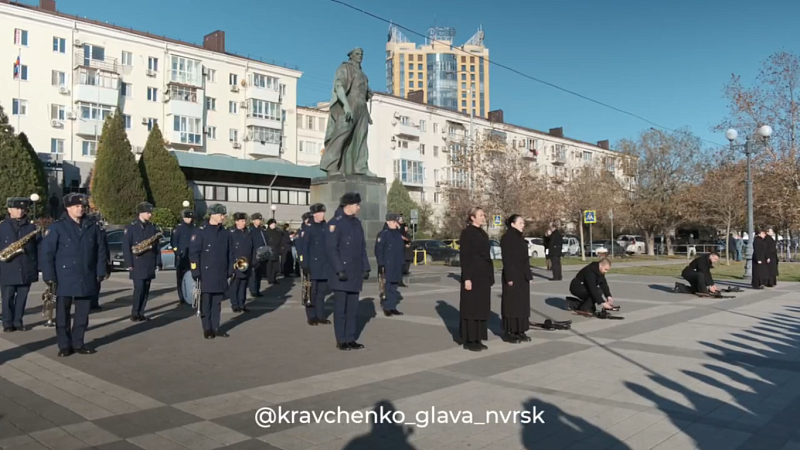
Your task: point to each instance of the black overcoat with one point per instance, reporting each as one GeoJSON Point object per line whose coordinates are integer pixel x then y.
{"type": "Point", "coordinates": [516, 269]}
{"type": "Point", "coordinates": [760, 255]}
{"type": "Point", "coordinates": [772, 255]}
{"type": "Point", "coordinates": [476, 266]}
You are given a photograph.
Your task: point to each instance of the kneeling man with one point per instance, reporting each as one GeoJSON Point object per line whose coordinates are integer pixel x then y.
{"type": "Point", "coordinates": [589, 286]}
{"type": "Point", "coordinates": [698, 274]}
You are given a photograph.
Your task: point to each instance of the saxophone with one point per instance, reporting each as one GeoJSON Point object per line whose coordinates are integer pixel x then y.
{"type": "Point", "coordinates": [146, 244]}
{"type": "Point", "coordinates": [16, 248]}
{"type": "Point", "coordinates": [49, 304]}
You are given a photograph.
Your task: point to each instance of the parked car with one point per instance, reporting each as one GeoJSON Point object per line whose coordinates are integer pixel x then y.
{"type": "Point", "coordinates": [494, 250]}
{"type": "Point", "coordinates": [604, 246]}
{"type": "Point", "coordinates": [571, 246]}
{"type": "Point", "coordinates": [436, 250]}
{"type": "Point", "coordinates": [535, 247]}
{"type": "Point", "coordinates": [632, 244]}
{"type": "Point", "coordinates": [114, 238]}
{"type": "Point", "coordinates": [452, 243]}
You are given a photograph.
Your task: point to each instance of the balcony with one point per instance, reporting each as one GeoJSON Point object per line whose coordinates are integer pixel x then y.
{"type": "Point", "coordinates": [259, 93]}
{"type": "Point", "coordinates": [183, 138]}
{"type": "Point", "coordinates": [407, 130]}
{"type": "Point", "coordinates": [88, 127]}
{"type": "Point", "coordinates": [95, 86]}
{"type": "Point", "coordinates": [184, 101]}
{"type": "Point", "coordinates": [559, 157]}
{"type": "Point", "coordinates": [263, 149]}
{"type": "Point", "coordinates": [85, 59]}
{"type": "Point", "coordinates": [529, 154]}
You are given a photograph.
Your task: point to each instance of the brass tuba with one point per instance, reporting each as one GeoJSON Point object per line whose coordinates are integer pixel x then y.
{"type": "Point", "coordinates": [49, 304]}
{"type": "Point", "coordinates": [146, 244]}
{"type": "Point", "coordinates": [241, 264]}
{"type": "Point", "coordinates": [16, 247]}
{"type": "Point", "coordinates": [305, 283]}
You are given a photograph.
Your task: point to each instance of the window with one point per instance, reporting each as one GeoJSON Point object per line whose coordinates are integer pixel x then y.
{"type": "Point", "coordinates": [422, 126]}
{"type": "Point", "coordinates": [189, 129]}
{"type": "Point", "coordinates": [264, 135]}
{"type": "Point", "coordinates": [126, 90]}
{"type": "Point", "coordinates": [411, 84]}
{"type": "Point", "coordinates": [435, 127]}
{"type": "Point", "coordinates": [463, 67]}
{"type": "Point", "coordinates": [587, 156]}
{"type": "Point", "coordinates": [233, 107]}
{"type": "Point", "coordinates": [93, 53]}
{"type": "Point", "coordinates": [57, 112]}
{"type": "Point", "coordinates": [411, 67]}
{"type": "Point", "coordinates": [94, 77]}
{"type": "Point", "coordinates": [435, 151]}
{"type": "Point", "coordinates": [265, 82]}
{"type": "Point", "coordinates": [152, 64]}
{"type": "Point", "coordinates": [233, 135]}
{"type": "Point", "coordinates": [435, 175]}
{"type": "Point", "coordinates": [127, 119]}
{"type": "Point", "coordinates": [183, 93]}
{"type": "Point", "coordinates": [152, 94]}
{"type": "Point", "coordinates": [419, 67]}
{"type": "Point", "coordinates": [472, 68]}
{"type": "Point", "coordinates": [233, 194]}
{"type": "Point", "coordinates": [185, 70]}
{"type": "Point", "coordinates": [463, 77]}
{"type": "Point", "coordinates": [269, 110]}
{"type": "Point", "coordinates": [421, 149]}
{"type": "Point", "coordinates": [472, 59]}
{"type": "Point", "coordinates": [436, 198]}
{"type": "Point", "coordinates": [402, 144]}
{"type": "Point", "coordinates": [411, 75]}
{"type": "Point", "coordinates": [19, 107]}
{"type": "Point", "coordinates": [321, 124]}
{"type": "Point", "coordinates": [151, 123]}
{"type": "Point", "coordinates": [409, 171]}
{"type": "Point", "coordinates": [233, 79]}
{"type": "Point", "coordinates": [472, 78]}
{"type": "Point", "coordinates": [283, 90]}
{"type": "Point", "coordinates": [89, 148]}
{"type": "Point", "coordinates": [211, 75]}
{"type": "Point", "coordinates": [212, 132]}
{"type": "Point", "coordinates": [21, 73]}
{"type": "Point", "coordinates": [56, 145]}
{"type": "Point", "coordinates": [58, 78]}
{"type": "Point", "coordinates": [404, 120]}
{"type": "Point", "coordinates": [419, 84]}
{"type": "Point", "coordinates": [127, 58]}
{"type": "Point", "coordinates": [21, 37]}
{"type": "Point", "coordinates": [463, 94]}
{"type": "Point", "coordinates": [93, 111]}
{"type": "Point", "coordinates": [211, 104]}
{"type": "Point", "coordinates": [59, 45]}
{"type": "Point", "coordinates": [312, 148]}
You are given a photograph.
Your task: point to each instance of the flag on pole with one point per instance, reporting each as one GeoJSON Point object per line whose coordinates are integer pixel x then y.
{"type": "Point", "coordinates": [17, 67]}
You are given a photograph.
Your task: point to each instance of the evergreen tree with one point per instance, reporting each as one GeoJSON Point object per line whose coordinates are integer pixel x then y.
{"type": "Point", "coordinates": [117, 183]}
{"type": "Point", "coordinates": [163, 178]}
{"type": "Point", "coordinates": [41, 174]}
{"type": "Point", "coordinates": [19, 174]}
{"type": "Point", "coordinates": [398, 201]}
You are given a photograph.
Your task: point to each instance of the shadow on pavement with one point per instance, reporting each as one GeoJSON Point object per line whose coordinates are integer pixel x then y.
{"type": "Point", "coordinates": [451, 318]}
{"type": "Point", "coordinates": [383, 435]}
{"type": "Point", "coordinates": [275, 296]}
{"type": "Point", "coordinates": [555, 428]}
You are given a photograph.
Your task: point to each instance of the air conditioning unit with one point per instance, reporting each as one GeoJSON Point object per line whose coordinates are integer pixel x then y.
{"type": "Point", "coordinates": [78, 43]}
{"type": "Point", "coordinates": [396, 115]}
{"type": "Point", "coordinates": [151, 73]}
{"type": "Point", "coordinates": [243, 104]}
{"type": "Point", "coordinates": [445, 150]}
{"type": "Point", "coordinates": [234, 88]}
{"type": "Point", "coordinates": [71, 115]}
{"type": "Point", "coordinates": [237, 145]}
{"type": "Point", "coordinates": [144, 122]}
{"type": "Point", "coordinates": [246, 138]}
{"type": "Point", "coordinates": [63, 90]}
{"type": "Point", "coordinates": [56, 123]}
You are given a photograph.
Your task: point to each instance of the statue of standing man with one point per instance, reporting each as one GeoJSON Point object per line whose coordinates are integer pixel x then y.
{"type": "Point", "coordinates": [346, 149]}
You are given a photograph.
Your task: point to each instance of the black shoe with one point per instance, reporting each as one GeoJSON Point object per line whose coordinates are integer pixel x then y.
{"type": "Point", "coordinates": [236, 310]}
{"type": "Point", "coordinates": [208, 334]}
{"type": "Point", "coordinates": [387, 313]}
{"type": "Point", "coordinates": [19, 328]}
{"type": "Point", "coordinates": [8, 329]}
{"type": "Point", "coordinates": [50, 324]}
{"type": "Point", "coordinates": [396, 313]}
{"type": "Point", "coordinates": [144, 319]}
{"type": "Point", "coordinates": [482, 346]}
{"type": "Point", "coordinates": [323, 321]}
{"type": "Point", "coordinates": [472, 346]}
{"type": "Point", "coordinates": [343, 346]}
{"type": "Point", "coordinates": [86, 351]}
{"type": "Point", "coordinates": [356, 346]}
{"type": "Point", "coordinates": [511, 338]}
{"type": "Point", "coordinates": [312, 322]}
{"type": "Point", "coordinates": [523, 337]}
{"type": "Point", "coordinates": [65, 353]}
{"type": "Point", "coordinates": [134, 318]}
{"type": "Point", "coordinates": [401, 284]}
{"type": "Point", "coordinates": [257, 294]}
{"type": "Point", "coordinates": [220, 333]}
{"type": "Point", "coordinates": [96, 308]}
{"type": "Point", "coordinates": [243, 309]}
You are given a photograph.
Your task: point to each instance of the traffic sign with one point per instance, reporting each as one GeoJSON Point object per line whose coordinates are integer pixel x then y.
{"type": "Point", "coordinates": [498, 220]}
{"type": "Point", "coordinates": [590, 216]}
{"type": "Point", "coordinates": [415, 214]}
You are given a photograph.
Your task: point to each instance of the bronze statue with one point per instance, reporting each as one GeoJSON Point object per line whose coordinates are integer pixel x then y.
{"type": "Point", "coordinates": [349, 119]}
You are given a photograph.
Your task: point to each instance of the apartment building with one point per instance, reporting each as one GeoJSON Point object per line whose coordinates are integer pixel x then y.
{"type": "Point", "coordinates": [447, 76]}
{"type": "Point", "coordinates": [311, 126]}
{"type": "Point", "coordinates": [73, 72]}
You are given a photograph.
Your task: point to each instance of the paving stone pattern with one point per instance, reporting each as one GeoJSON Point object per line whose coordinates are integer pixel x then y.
{"type": "Point", "coordinates": [678, 373]}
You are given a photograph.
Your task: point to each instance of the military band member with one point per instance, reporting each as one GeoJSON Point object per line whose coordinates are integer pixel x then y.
{"type": "Point", "coordinates": [73, 256]}
{"type": "Point", "coordinates": [348, 268]}
{"type": "Point", "coordinates": [390, 253]}
{"type": "Point", "coordinates": [259, 241]}
{"type": "Point", "coordinates": [142, 267]}
{"type": "Point", "coordinates": [274, 238]}
{"type": "Point", "coordinates": [241, 246]}
{"type": "Point", "coordinates": [95, 301]}
{"type": "Point", "coordinates": [314, 262]}
{"type": "Point", "coordinates": [179, 241]}
{"type": "Point", "coordinates": [210, 265]}
{"type": "Point", "coordinates": [18, 272]}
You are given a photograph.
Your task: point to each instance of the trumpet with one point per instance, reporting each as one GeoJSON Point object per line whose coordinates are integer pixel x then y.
{"type": "Point", "coordinates": [196, 294]}
{"type": "Point", "coordinates": [305, 282]}
{"type": "Point", "coordinates": [241, 264]}
{"type": "Point", "coordinates": [49, 304]}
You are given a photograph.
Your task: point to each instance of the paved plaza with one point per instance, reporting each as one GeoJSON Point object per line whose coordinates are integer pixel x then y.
{"type": "Point", "coordinates": [679, 372]}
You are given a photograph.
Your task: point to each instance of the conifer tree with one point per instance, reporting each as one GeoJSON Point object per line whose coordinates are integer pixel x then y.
{"type": "Point", "coordinates": [117, 183]}
{"type": "Point", "coordinates": [19, 173]}
{"type": "Point", "coordinates": [163, 178]}
{"type": "Point", "coordinates": [398, 201]}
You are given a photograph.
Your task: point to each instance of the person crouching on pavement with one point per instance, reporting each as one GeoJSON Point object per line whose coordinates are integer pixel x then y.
{"type": "Point", "coordinates": [589, 286]}
{"type": "Point", "coordinates": [698, 274]}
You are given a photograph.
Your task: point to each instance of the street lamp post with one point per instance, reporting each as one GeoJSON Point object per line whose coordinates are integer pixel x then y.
{"type": "Point", "coordinates": [273, 208]}
{"type": "Point", "coordinates": [34, 199]}
{"type": "Point", "coordinates": [764, 132]}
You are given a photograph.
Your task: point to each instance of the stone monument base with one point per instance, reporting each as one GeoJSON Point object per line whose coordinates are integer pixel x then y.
{"type": "Point", "coordinates": [328, 191]}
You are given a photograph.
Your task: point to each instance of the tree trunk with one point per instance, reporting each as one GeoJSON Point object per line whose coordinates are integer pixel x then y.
{"type": "Point", "coordinates": [580, 225]}
{"type": "Point", "coordinates": [649, 237]}
{"type": "Point", "coordinates": [668, 243]}
{"type": "Point", "coordinates": [728, 245]}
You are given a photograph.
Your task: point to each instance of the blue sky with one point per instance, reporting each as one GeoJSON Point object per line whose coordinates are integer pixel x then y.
{"type": "Point", "coordinates": [667, 61]}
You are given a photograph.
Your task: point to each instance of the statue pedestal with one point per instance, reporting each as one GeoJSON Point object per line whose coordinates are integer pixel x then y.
{"type": "Point", "coordinates": [328, 191]}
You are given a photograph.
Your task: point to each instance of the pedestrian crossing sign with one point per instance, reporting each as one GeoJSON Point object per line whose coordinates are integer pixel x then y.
{"type": "Point", "coordinates": [498, 220]}
{"type": "Point", "coordinates": [590, 216]}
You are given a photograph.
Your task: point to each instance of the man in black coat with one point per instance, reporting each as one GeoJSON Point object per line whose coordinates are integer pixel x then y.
{"type": "Point", "coordinates": [698, 273]}
{"type": "Point", "coordinates": [760, 262]}
{"type": "Point", "coordinates": [240, 246]}
{"type": "Point", "coordinates": [179, 241]}
{"type": "Point", "coordinates": [211, 267]}
{"type": "Point", "coordinates": [287, 260]}
{"type": "Point", "coordinates": [142, 267]}
{"type": "Point", "coordinates": [772, 258]}
{"type": "Point", "coordinates": [314, 262]}
{"type": "Point", "coordinates": [589, 286]}
{"type": "Point", "coordinates": [555, 244]}
{"type": "Point", "coordinates": [95, 302]}
{"type": "Point", "coordinates": [20, 270]}
{"type": "Point", "coordinates": [408, 252]}
{"type": "Point", "coordinates": [274, 239]}
{"type": "Point", "coordinates": [390, 255]}
{"type": "Point", "coordinates": [258, 234]}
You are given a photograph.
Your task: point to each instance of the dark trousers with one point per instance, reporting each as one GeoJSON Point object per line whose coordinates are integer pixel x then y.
{"type": "Point", "coordinates": [555, 264]}
{"type": "Point", "coordinates": [317, 308]}
{"type": "Point", "coordinates": [95, 299]}
{"type": "Point", "coordinates": [255, 278]}
{"type": "Point", "coordinates": [698, 282]}
{"type": "Point", "coordinates": [288, 264]}
{"type": "Point", "coordinates": [71, 329]}
{"type": "Point", "coordinates": [390, 304]}
{"type": "Point", "coordinates": [585, 301]}
{"type": "Point", "coordinates": [141, 290]}
{"type": "Point", "coordinates": [407, 268]}
{"type": "Point", "coordinates": [238, 292]}
{"type": "Point", "coordinates": [210, 310]}
{"type": "Point", "coordinates": [14, 300]}
{"type": "Point", "coordinates": [345, 314]}
{"type": "Point", "coordinates": [179, 273]}
{"type": "Point", "coordinates": [272, 271]}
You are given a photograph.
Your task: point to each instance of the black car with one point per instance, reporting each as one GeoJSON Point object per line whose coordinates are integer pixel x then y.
{"type": "Point", "coordinates": [436, 251]}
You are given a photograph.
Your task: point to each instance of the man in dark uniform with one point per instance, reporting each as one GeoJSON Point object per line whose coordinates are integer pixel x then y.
{"type": "Point", "coordinates": [408, 252]}
{"type": "Point", "coordinates": [211, 267]}
{"type": "Point", "coordinates": [347, 256]}
{"type": "Point", "coordinates": [259, 241]}
{"type": "Point", "coordinates": [241, 246]}
{"type": "Point", "coordinates": [589, 286]}
{"type": "Point", "coordinates": [698, 273]}
{"type": "Point", "coordinates": [297, 242]}
{"type": "Point", "coordinates": [141, 267]}
{"type": "Point", "coordinates": [19, 270]}
{"type": "Point", "coordinates": [556, 242]}
{"type": "Point", "coordinates": [73, 257]}
{"type": "Point", "coordinates": [390, 253]}
{"type": "Point", "coordinates": [95, 301]}
{"type": "Point", "coordinates": [314, 262]}
{"type": "Point", "coordinates": [179, 241]}
{"type": "Point", "coordinates": [287, 261]}
{"type": "Point", "coordinates": [772, 258]}
{"type": "Point", "coordinates": [274, 239]}
{"type": "Point", "coordinates": [760, 263]}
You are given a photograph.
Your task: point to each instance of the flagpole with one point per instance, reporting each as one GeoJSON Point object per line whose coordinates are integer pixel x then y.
{"type": "Point", "coordinates": [19, 90]}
